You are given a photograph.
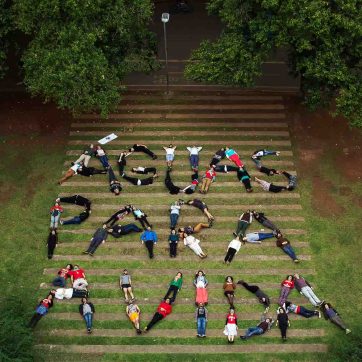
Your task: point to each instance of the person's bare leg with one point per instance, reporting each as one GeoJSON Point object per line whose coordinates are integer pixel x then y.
{"type": "Point", "coordinates": [199, 227]}
{"type": "Point", "coordinates": [125, 291]}
{"type": "Point", "coordinates": [67, 175]}
{"type": "Point", "coordinates": [130, 292]}
{"type": "Point", "coordinates": [208, 214]}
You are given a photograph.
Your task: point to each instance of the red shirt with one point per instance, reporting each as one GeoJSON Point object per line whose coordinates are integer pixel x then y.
{"type": "Point", "coordinates": [288, 283]}
{"type": "Point", "coordinates": [166, 309]}
{"type": "Point", "coordinates": [64, 273]}
{"type": "Point", "coordinates": [56, 207]}
{"type": "Point", "coordinates": [210, 174]}
{"type": "Point", "coordinates": [231, 319]}
{"type": "Point", "coordinates": [76, 274]}
{"type": "Point", "coordinates": [46, 303]}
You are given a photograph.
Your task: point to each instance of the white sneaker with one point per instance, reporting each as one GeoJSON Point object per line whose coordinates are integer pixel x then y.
{"type": "Point", "coordinates": [348, 331]}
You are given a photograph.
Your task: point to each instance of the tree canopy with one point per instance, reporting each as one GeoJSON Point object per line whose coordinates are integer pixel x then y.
{"type": "Point", "coordinates": [79, 51]}
{"type": "Point", "coordinates": [322, 38]}
{"type": "Point", "coordinates": [5, 27]}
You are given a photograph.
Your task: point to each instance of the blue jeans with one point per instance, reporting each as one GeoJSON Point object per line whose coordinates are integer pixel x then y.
{"type": "Point", "coordinates": [253, 331]}
{"type": "Point", "coordinates": [131, 227]}
{"type": "Point", "coordinates": [59, 282]}
{"type": "Point", "coordinates": [263, 236]}
{"type": "Point", "coordinates": [88, 320]}
{"type": "Point", "coordinates": [173, 220]}
{"type": "Point", "coordinates": [104, 161]}
{"type": "Point", "coordinates": [269, 153]}
{"type": "Point", "coordinates": [74, 220]}
{"type": "Point", "coordinates": [201, 326]}
{"type": "Point", "coordinates": [306, 312]}
{"type": "Point", "coordinates": [194, 161]}
{"type": "Point", "coordinates": [289, 251]}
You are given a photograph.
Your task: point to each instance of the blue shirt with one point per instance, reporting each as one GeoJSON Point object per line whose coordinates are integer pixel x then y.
{"type": "Point", "coordinates": [149, 235]}
{"type": "Point", "coordinates": [229, 152]}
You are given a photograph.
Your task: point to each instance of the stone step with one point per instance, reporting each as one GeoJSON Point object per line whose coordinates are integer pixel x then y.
{"type": "Point", "coordinates": [145, 134]}
{"type": "Point", "coordinates": [191, 219]}
{"type": "Point", "coordinates": [185, 123]}
{"type": "Point", "coordinates": [257, 143]}
{"type": "Point", "coordinates": [184, 301]}
{"type": "Point", "coordinates": [200, 97]}
{"type": "Point", "coordinates": [175, 316]}
{"type": "Point", "coordinates": [242, 196]}
{"type": "Point", "coordinates": [144, 257]}
{"type": "Point", "coordinates": [170, 333]}
{"type": "Point", "coordinates": [162, 285]}
{"type": "Point", "coordinates": [189, 349]}
{"type": "Point", "coordinates": [110, 244]}
{"type": "Point", "coordinates": [172, 106]}
{"type": "Point", "coordinates": [167, 271]}
{"type": "Point", "coordinates": [161, 232]}
{"type": "Point", "coordinates": [157, 185]}
{"type": "Point", "coordinates": [166, 115]}
{"type": "Point", "coordinates": [212, 207]}
{"type": "Point", "coordinates": [160, 153]}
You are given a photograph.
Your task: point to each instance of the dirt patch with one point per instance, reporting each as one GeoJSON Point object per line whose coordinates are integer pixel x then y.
{"type": "Point", "coordinates": [322, 199]}
{"type": "Point", "coordinates": [319, 135]}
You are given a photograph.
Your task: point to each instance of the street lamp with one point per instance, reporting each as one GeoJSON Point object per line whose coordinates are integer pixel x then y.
{"type": "Point", "coordinates": [165, 18]}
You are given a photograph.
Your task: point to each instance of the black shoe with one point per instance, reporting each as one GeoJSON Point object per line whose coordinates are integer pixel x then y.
{"type": "Point", "coordinates": [242, 337]}
{"type": "Point", "coordinates": [154, 157]}
{"type": "Point", "coordinates": [235, 234]}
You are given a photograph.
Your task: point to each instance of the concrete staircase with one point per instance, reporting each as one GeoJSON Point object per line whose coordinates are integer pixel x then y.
{"type": "Point", "coordinates": [210, 117]}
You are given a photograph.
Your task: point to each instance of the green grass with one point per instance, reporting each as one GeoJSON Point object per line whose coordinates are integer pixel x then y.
{"type": "Point", "coordinates": [335, 244]}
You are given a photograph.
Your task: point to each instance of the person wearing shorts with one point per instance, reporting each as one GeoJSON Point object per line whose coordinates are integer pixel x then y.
{"type": "Point", "coordinates": [170, 154]}
{"type": "Point", "coordinates": [73, 170]}
{"type": "Point", "coordinates": [133, 312]}
{"type": "Point", "coordinates": [229, 289]}
{"type": "Point", "coordinates": [126, 285]}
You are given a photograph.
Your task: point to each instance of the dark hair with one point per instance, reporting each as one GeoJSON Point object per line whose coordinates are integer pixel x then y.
{"type": "Point", "coordinates": [71, 266]}
{"type": "Point", "coordinates": [179, 273]}
{"type": "Point", "coordinates": [197, 274]}
{"type": "Point", "coordinates": [287, 304]}
{"type": "Point", "coordinates": [289, 275]}
{"type": "Point", "coordinates": [229, 276]}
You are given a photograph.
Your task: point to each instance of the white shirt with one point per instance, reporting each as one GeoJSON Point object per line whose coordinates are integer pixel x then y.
{"type": "Point", "coordinates": [100, 152]}
{"type": "Point", "coordinates": [75, 167]}
{"type": "Point", "coordinates": [189, 240]}
{"type": "Point", "coordinates": [170, 151]}
{"type": "Point", "coordinates": [235, 244]}
{"type": "Point", "coordinates": [62, 293]}
{"type": "Point", "coordinates": [194, 150]}
{"type": "Point", "coordinates": [175, 209]}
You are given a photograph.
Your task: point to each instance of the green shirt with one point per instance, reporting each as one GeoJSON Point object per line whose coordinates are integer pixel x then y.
{"type": "Point", "coordinates": [177, 283]}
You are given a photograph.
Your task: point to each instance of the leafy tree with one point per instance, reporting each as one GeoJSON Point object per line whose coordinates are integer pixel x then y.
{"type": "Point", "coordinates": [322, 38]}
{"type": "Point", "coordinates": [80, 50]}
{"type": "Point", "coordinates": [5, 27]}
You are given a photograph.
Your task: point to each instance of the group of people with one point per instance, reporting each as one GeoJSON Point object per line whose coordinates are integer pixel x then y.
{"type": "Point", "coordinates": [241, 236]}
{"type": "Point", "coordinates": [80, 166]}
{"type": "Point", "coordinates": [78, 289]}
{"type": "Point", "coordinates": [76, 275]}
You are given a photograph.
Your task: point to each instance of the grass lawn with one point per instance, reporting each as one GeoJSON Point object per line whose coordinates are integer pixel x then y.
{"type": "Point", "coordinates": [28, 174]}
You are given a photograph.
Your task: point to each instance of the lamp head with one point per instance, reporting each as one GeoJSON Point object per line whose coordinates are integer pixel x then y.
{"type": "Point", "coordinates": [165, 17]}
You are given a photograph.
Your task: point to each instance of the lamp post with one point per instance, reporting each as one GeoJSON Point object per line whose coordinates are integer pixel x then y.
{"type": "Point", "coordinates": [165, 18]}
